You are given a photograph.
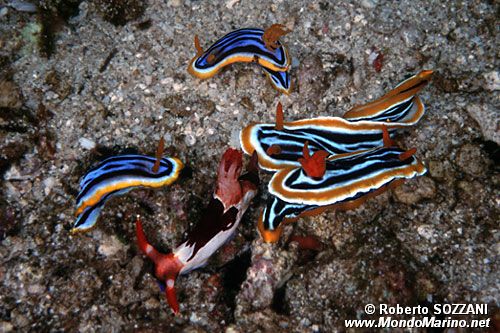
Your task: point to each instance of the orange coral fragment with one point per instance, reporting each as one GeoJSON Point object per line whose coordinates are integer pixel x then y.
{"type": "Point", "coordinates": [272, 34]}
{"type": "Point", "coordinates": [279, 117]}
{"type": "Point", "coordinates": [315, 165]}
{"type": "Point", "coordinates": [273, 150]}
{"type": "Point", "coordinates": [407, 154]}
{"type": "Point", "coordinates": [159, 155]}
{"type": "Point", "coordinates": [199, 50]}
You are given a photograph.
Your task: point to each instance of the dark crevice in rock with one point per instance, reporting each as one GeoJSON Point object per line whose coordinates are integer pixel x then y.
{"type": "Point", "coordinates": [234, 275]}
{"type": "Point", "coordinates": [280, 304]}
{"type": "Point", "coordinates": [492, 150]}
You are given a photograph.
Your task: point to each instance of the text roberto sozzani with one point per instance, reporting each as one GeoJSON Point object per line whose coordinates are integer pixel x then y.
{"type": "Point", "coordinates": [449, 316]}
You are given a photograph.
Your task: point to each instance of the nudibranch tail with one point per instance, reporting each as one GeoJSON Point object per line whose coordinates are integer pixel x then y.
{"type": "Point", "coordinates": [272, 34]}
{"type": "Point", "coordinates": [274, 216]}
{"type": "Point", "coordinates": [418, 81]}
{"type": "Point", "coordinates": [314, 166]}
{"type": "Point", "coordinates": [400, 106]}
{"type": "Point", "coordinates": [268, 235]}
{"type": "Point", "coordinates": [281, 81]}
{"type": "Point", "coordinates": [167, 266]}
{"type": "Point", "coordinates": [87, 219]}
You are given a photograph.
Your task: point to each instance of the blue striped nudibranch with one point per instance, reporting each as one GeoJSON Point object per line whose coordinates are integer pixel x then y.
{"type": "Point", "coordinates": [246, 45]}
{"type": "Point", "coordinates": [118, 175]}
{"type": "Point", "coordinates": [347, 182]}
{"type": "Point", "coordinates": [280, 145]}
{"type": "Point", "coordinates": [401, 106]}
{"type": "Point", "coordinates": [218, 223]}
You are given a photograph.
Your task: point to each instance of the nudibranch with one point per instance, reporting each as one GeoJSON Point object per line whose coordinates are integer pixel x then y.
{"type": "Point", "coordinates": [246, 45]}
{"type": "Point", "coordinates": [338, 182]}
{"type": "Point", "coordinates": [118, 175]}
{"type": "Point", "coordinates": [401, 106]}
{"type": "Point", "coordinates": [218, 223]}
{"type": "Point", "coordinates": [279, 145]}
{"type": "Point", "coordinates": [280, 81]}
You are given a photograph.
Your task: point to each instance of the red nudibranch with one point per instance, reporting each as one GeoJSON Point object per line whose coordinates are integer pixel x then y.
{"type": "Point", "coordinates": [218, 223]}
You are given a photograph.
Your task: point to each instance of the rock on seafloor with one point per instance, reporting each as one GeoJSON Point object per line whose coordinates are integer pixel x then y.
{"type": "Point", "coordinates": [269, 269]}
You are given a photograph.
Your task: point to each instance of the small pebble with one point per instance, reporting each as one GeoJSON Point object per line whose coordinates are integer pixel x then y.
{"type": "Point", "coordinates": [492, 81]}
{"type": "Point", "coordinates": [471, 160]}
{"type": "Point", "coordinates": [174, 3]}
{"type": "Point", "coordinates": [415, 190]}
{"type": "Point", "coordinates": [49, 184]}
{"type": "Point", "coordinates": [5, 326]}
{"type": "Point", "coordinates": [86, 143]}
{"type": "Point", "coordinates": [231, 3]}
{"type": "Point", "coordinates": [488, 118]}
{"type": "Point", "coordinates": [368, 4]}
{"type": "Point", "coordinates": [110, 246]}
{"type": "Point", "coordinates": [426, 231]}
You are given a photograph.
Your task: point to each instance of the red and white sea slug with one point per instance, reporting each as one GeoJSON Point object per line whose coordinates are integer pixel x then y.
{"type": "Point", "coordinates": [218, 223]}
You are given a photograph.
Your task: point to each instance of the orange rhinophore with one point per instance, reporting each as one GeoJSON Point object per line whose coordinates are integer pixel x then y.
{"type": "Point", "coordinates": [315, 165]}
{"type": "Point", "coordinates": [279, 117]}
{"type": "Point", "coordinates": [386, 137]}
{"type": "Point", "coordinates": [199, 50]}
{"type": "Point", "coordinates": [159, 155]}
